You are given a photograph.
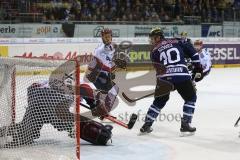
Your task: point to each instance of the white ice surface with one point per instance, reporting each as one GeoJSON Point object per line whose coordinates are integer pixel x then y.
{"type": "Point", "coordinates": [217, 109]}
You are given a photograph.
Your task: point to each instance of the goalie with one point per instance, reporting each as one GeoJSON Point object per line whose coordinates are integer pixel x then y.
{"type": "Point", "coordinates": [50, 105]}
{"type": "Point", "coordinates": [101, 70]}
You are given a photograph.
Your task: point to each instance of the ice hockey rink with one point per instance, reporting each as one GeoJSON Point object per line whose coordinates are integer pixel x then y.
{"type": "Point", "coordinates": [217, 109]}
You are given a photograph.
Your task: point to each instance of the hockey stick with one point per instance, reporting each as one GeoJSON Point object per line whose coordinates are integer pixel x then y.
{"type": "Point", "coordinates": [163, 87]}
{"type": "Point", "coordinates": [130, 124]}
{"type": "Point", "coordinates": [136, 99]}
{"type": "Point", "coordinates": [236, 123]}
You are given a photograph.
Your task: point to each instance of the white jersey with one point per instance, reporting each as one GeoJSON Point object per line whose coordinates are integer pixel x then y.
{"type": "Point", "coordinates": [103, 55]}
{"type": "Point", "coordinates": [205, 60]}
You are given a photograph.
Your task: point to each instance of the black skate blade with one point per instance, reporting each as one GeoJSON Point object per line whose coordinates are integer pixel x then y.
{"type": "Point", "coordinates": [187, 134]}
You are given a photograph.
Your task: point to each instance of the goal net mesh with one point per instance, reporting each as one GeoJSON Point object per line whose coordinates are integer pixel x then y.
{"type": "Point", "coordinates": [37, 106]}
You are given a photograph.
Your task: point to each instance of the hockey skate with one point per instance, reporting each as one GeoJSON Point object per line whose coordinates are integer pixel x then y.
{"type": "Point", "coordinates": [146, 128]}
{"type": "Point", "coordinates": [186, 129]}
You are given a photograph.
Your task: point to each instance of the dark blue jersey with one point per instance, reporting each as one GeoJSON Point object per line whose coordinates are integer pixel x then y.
{"type": "Point", "coordinates": [170, 53]}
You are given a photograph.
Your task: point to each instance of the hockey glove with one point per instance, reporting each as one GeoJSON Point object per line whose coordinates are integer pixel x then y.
{"type": "Point", "coordinates": [92, 76]}
{"type": "Point", "coordinates": [197, 72]}
{"type": "Point", "coordinates": [160, 68]}
{"type": "Point", "coordinates": [112, 76]}
{"type": "Point", "coordinates": [121, 59]}
{"type": "Point", "coordinates": [99, 109]}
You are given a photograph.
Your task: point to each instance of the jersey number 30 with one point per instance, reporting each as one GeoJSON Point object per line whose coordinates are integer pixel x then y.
{"type": "Point", "coordinates": [170, 56]}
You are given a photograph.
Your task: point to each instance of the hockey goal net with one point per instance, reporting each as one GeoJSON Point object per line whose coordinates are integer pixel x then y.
{"type": "Point", "coordinates": [38, 102]}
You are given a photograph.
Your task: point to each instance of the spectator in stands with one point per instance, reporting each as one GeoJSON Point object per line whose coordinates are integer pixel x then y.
{"type": "Point", "coordinates": [124, 10]}
{"type": "Point", "coordinates": [2, 14]}
{"type": "Point", "coordinates": [177, 8]}
{"type": "Point", "coordinates": [214, 14]}
{"type": "Point", "coordinates": [166, 18]}
{"type": "Point", "coordinates": [178, 20]}
{"type": "Point", "coordinates": [155, 18]}
{"type": "Point", "coordinates": [236, 4]}
{"type": "Point", "coordinates": [236, 7]}
{"type": "Point", "coordinates": [162, 13]}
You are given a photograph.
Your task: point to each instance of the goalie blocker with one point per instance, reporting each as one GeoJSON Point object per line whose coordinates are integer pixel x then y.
{"type": "Point", "coordinates": [45, 102]}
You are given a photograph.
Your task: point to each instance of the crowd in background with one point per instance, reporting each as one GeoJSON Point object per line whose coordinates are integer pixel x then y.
{"type": "Point", "coordinates": [177, 11]}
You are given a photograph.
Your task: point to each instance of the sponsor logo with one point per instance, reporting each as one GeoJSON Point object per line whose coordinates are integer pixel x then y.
{"type": "Point", "coordinates": [139, 56]}
{"type": "Point", "coordinates": [223, 53]}
{"type": "Point", "coordinates": [143, 31]}
{"type": "Point", "coordinates": [98, 29]}
{"type": "Point", "coordinates": [55, 29]}
{"type": "Point", "coordinates": [3, 51]}
{"type": "Point", "coordinates": [211, 30]}
{"type": "Point", "coordinates": [83, 58]}
{"type": "Point", "coordinates": [47, 29]}
{"type": "Point", "coordinates": [7, 29]}
{"type": "Point", "coordinates": [214, 34]}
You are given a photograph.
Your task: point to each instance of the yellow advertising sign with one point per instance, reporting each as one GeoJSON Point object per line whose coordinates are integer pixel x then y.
{"type": "Point", "coordinates": [3, 51]}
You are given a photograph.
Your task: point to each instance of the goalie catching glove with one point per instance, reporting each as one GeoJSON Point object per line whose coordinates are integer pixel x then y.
{"type": "Point", "coordinates": [120, 59]}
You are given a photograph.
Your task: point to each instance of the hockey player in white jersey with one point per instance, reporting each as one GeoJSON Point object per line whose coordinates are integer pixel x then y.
{"type": "Point", "coordinates": [205, 60]}
{"type": "Point", "coordinates": [101, 70]}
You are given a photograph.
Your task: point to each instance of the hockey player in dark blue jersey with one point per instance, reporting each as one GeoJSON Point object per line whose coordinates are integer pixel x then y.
{"type": "Point", "coordinates": [167, 57]}
{"type": "Point", "coordinates": [184, 37]}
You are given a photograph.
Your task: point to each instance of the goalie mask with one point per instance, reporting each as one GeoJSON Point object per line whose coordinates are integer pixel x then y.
{"type": "Point", "coordinates": [198, 45]}
{"type": "Point", "coordinates": [106, 35]}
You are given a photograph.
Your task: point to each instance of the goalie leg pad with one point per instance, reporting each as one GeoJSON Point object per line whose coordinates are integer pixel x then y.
{"type": "Point", "coordinates": [94, 132]}
{"type": "Point", "coordinates": [16, 135]}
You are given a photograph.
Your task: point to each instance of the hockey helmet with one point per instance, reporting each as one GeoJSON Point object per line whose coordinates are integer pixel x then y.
{"type": "Point", "coordinates": [184, 34]}
{"type": "Point", "coordinates": [156, 32]}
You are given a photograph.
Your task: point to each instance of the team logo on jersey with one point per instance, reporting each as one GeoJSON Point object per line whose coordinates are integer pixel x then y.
{"type": "Point", "coordinates": [108, 58]}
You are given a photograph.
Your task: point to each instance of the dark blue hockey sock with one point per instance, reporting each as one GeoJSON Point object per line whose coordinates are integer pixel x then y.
{"type": "Point", "coordinates": [152, 114]}
{"type": "Point", "coordinates": [188, 111]}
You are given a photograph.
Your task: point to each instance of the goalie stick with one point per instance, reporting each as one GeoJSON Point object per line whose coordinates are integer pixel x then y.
{"type": "Point", "coordinates": [130, 124]}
